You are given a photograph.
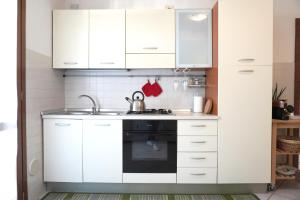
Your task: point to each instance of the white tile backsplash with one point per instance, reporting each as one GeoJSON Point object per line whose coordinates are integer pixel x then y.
{"type": "Point", "coordinates": [110, 92]}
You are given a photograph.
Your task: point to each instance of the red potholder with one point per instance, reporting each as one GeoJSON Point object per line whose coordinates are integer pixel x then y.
{"type": "Point", "coordinates": [156, 89]}
{"type": "Point", "coordinates": [147, 89]}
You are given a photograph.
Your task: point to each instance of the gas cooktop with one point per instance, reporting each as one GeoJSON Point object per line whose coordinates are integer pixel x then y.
{"type": "Point", "coordinates": [151, 112]}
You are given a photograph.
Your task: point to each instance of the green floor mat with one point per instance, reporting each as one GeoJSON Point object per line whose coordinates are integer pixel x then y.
{"type": "Point", "coordinates": [90, 196]}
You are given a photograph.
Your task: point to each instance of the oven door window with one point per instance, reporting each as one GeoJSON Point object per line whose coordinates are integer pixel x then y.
{"type": "Point", "coordinates": [145, 152]}
{"type": "Point", "coordinates": [150, 150]}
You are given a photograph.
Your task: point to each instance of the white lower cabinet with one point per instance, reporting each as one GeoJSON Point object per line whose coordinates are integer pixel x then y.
{"type": "Point", "coordinates": [196, 159]}
{"type": "Point", "coordinates": [197, 143]}
{"type": "Point", "coordinates": [62, 150]}
{"type": "Point", "coordinates": [197, 175]}
{"type": "Point", "coordinates": [197, 155]}
{"type": "Point", "coordinates": [102, 151]}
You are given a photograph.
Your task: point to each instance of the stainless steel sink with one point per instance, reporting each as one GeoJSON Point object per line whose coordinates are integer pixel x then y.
{"type": "Point", "coordinates": [82, 112]}
{"type": "Point", "coordinates": [108, 113]}
{"type": "Point", "coordinates": [78, 113]}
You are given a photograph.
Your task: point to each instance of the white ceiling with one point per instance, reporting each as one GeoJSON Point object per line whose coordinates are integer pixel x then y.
{"type": "Point", "coordinates": [125, 4]}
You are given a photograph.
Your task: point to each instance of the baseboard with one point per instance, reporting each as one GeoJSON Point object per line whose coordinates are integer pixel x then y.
{"type": "Point", "coordinates": [157, 188]}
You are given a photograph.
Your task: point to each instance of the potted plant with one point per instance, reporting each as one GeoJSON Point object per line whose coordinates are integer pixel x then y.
{"type": "Point", "coordinates": [277, 101]}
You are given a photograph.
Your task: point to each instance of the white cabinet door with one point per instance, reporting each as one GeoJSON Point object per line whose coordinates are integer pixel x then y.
{"type": "Point", "coordinates": [70, 38]}
{"type": "Point", "coordinates": [193, 38]}
{"type": "Point", "coordinates": [62, 150]}
{"type": "Point", "coordinates": [245, 32]}
{"type": "Point", "coordinates": [244, 128]}
{"type": "Point", "coordinates": [150, 31]}
{"type": "Point", "coordinates": [140, 61]}
{"type": "Point", "coordinates": [102, 151]}
{"type": "Point", "coordinates": [107, 39]}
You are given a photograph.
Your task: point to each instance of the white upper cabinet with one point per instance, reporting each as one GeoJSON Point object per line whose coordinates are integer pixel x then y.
{"type": "Point", "coordinates": [70, 38]}
{"type": "Point", "coordinates": [107, 39]}
{"type": "Point", "coordinates": [102, 151]}
{"type": "Point", "coordinates": [150, 31]}
{"type": "Point", "coordinates": [246, 32]}
{"type": "Point", "coordinates": [193, 38]}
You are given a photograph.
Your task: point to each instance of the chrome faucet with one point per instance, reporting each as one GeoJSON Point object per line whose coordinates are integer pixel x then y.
{"type": "Point", "coordinates": [94, 108]}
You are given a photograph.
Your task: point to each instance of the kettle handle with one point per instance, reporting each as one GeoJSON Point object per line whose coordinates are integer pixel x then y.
{"type": "Point", "coordinates": [138, 92]}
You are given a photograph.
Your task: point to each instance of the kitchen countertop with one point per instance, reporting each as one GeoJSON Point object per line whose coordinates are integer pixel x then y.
{"type": "Point", "coordinates": [176, 114]}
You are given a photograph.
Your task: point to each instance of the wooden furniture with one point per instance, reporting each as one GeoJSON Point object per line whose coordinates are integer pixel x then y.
{"type": "Point", "coordinates": [297, 68]}
{"type": "Point", "coordinates": [245, 91]}
{"type": "Point", "coordinates": [282, 124]}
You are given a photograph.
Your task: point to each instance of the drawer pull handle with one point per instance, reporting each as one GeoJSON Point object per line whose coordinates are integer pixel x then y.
{"type": "Point", "coordinates": [198, 174]}
{"type": "Point", "coordinates": [246, 71]}
{"type": "Point", "coordinates": [199, 126]}
{"type": "Point", "coordinates": [198, 158]}
{"type": "Point", "coordinates": [107, 63]}
{"type": "Point", "coordinates": [150, 48]}
{"type": "Point", "coordinates": [62, 124]}
{"type": "Point", "coordinates": [246, 60]}
{"type": "Point", "coordinates": [102, 125]}
{"type": "Point", "coordinates": [198, 142]}
{"type": "Point", "coordinates": [70, 63]}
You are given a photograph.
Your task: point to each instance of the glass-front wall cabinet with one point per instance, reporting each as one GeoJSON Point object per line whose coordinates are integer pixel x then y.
{"type": "Point", "coordinates": [193, 38]}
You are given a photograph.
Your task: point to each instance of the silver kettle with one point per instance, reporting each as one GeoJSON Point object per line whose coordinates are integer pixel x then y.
{"type": "Point", "coordinates": [137, 104]}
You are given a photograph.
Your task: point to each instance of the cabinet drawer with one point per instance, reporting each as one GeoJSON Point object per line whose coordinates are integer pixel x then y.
{"type": "Point", "coordinates": [197, 127]}
{"type": "Point", "coordinates": [196, 175]}
{"type": "Point", "coordinates": [197, 143]}
{"type": "Point", "coordinates": [197, 159]}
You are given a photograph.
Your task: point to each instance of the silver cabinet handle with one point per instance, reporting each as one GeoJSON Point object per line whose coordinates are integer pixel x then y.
{"type": "Point", "coordinates": [198, 174]}
{"type": "Point", "coordinates": [107, 63]}
{"type": "Point", "coordinates": [246, 60]}
{"type": "Point", "coordinates": [62, 124]}
{"type": "Point", "coordinates": [198, 142]}
{"type": "Point", "coordinates": [150, 48]}
{"type": "Point", "coordinates": [70, 63]}
{"type": "Point", "coordinates": [103, 125]}
{"type": "Point", "coordinates": [246, 71]}
{"type": "Point", "coordinates": [199, 126]}
{"type": "Point", "coordinates": [198, 158]}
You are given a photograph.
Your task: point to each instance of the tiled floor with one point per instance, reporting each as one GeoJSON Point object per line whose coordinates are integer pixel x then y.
{"type": "Point", "coordinates": [287, 190]}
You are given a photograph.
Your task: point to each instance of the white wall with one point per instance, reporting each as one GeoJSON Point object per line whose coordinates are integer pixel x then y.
{"type": "Point", "coordinates": [285, 12]}
{"type": "Point", "coordinates": [87, 4]}
{"type": "Point", "coordinates": [44, 86]}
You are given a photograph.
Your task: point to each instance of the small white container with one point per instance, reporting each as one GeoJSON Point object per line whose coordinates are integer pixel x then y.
{"type": "Point", "coordinates": [198, 104]}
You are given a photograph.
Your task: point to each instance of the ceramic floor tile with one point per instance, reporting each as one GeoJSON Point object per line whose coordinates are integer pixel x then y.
{"type": "Point", "coordinates": [264, 196]}
{"type": "Point", "coordinates": [293, 194]}
{"type": "Point", "coordinates": [278, 197]}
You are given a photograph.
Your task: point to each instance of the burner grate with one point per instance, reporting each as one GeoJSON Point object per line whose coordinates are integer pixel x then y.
{"type": "Point", "coordinates": [151, 111]}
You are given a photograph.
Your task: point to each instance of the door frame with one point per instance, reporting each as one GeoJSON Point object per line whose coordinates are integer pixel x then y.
{"type": "Point", "coordinates": [22, 188]}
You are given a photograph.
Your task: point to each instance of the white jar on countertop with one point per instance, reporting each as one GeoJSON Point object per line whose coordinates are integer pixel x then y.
{"type": "Point", "coordinates": [198, 103]}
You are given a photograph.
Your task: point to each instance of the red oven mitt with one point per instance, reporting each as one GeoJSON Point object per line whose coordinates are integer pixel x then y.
{"type": "Point", "coordinates": [147, 89]}
{"type": "Point", "coordinates": [156, 89]}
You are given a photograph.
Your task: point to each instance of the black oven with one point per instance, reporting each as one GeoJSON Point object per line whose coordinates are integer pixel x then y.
{"type": "Point", "coordinates": [149, 146]}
